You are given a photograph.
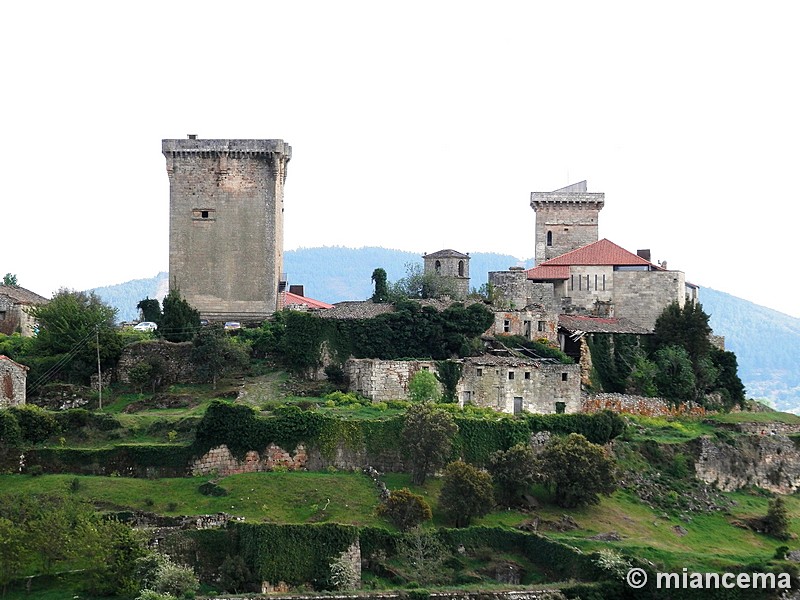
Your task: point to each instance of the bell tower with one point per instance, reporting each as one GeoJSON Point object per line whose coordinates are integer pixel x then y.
{"type": "Point", "coordinates": [566, 219]}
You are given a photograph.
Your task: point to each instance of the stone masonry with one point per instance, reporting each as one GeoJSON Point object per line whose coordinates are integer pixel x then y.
{"type": "Point", "coordinates": [383, 380]}
{"type": "Point", "coordinates": [226, 224]}
{"type": "Point", "coordinates": [13, 378]}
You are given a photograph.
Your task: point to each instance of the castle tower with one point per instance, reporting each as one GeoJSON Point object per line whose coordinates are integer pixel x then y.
{"type": "Point", "coordinates": [452, 265]}
{"type": "Point", "coordinates": [566, 219]}
{"type": "Point", "coordinates": [226, 224]}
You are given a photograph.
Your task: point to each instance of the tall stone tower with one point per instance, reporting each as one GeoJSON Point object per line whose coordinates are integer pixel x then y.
{"type": "Point", "coordinates": [566, 219]}
{"type": "Point", "coordinates": [452, 265]}
{"type": "Point", "coordinates": [226, 224]}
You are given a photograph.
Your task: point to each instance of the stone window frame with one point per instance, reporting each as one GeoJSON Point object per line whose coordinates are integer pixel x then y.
{"type": "Point", "coordinates": [204, 214]}
{"type": "Point", "coordinates": [511, 375]}
{"type": "Point", "coordinates": [478, 372]}
{"type": "Point", "coordinates": [549, 238]}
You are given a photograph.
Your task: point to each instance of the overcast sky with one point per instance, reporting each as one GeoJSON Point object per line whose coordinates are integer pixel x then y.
{"type": "Point", "coordinates": [414, 125]}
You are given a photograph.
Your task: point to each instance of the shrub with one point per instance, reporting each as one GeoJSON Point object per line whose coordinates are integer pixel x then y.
{"type": "Point", "coordinates": [427, 438]}
{"type": "Point", "coordinates": [466, 493]}
{"type": "Point", "coordinates": [512, 471]}
{"type": "Point", "coordinates": [776, 523]}
{"type": "Point", "coordinates": [576, 470]}
{"type": "Point", "coordinates": [424, 387]}
{"type": "Point", "coordinates": [405, 509]}
{"type": "Point", "coordinates": [10, 432]}
{"type": "Point", "coordinates": [37, 424]}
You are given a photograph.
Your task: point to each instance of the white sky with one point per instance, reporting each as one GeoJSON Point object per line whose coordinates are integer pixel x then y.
{"type": "Point", "coordinates": [414, 125]}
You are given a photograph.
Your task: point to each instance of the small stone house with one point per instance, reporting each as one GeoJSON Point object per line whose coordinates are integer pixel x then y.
{"type": "Point", "coordinates": [14, 301]}
{"type": "Point", "coordinates": [13, 380]}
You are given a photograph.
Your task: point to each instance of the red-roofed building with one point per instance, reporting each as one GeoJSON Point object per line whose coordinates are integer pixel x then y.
{"type": "Point", "coordinates": [584, 275]}
{"type": "Point", "coordinates": [295, 300]}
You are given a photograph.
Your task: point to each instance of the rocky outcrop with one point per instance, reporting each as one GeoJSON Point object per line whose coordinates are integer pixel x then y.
{"type": "Point", "coordinates": [770, 461]}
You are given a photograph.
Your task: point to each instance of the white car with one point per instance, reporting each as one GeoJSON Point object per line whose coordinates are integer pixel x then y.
{"type": "Point", "coordinates": [145, 326]}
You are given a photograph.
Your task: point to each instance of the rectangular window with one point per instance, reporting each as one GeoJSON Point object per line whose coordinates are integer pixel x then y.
{"type": "Point", "coordinates": [540, 326]}
{"type": "Point", "coordinates": [604, 282]}
{"type": "Point", "coordinates": [587, 284]}
{"type": "Point", "coordinates": [204, 214]}
{"type": "Point", "coordinates": [527, 328]}
{"type": "Point", "coordinates": [595, 283]}
{"type": "Point", "coordinates": [426, 368]}
{"type": "Point", "coordinates": [572, 282]}
{"type": "Point", "coordinates": [561, 408]}
{"type": "Point", "coordinates": [527, 374]}
{"type": "Point", "coordinates": [479, 372]}
{"type": "Point", "coordinates": [510, 375]}
{"type": "Point", "coordinates": [580, 282]}
{"type": "Point", "coordinates": [506, 326]}
{"type": "Point", "coordinates": [563, 377]}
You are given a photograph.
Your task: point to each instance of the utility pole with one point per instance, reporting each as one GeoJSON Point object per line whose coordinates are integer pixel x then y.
{"type": "Point", "coordinates": [99, 374]}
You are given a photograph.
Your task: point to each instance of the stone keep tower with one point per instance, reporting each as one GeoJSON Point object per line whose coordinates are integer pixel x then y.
{"type": "Point", "coordinates": [452, 265]}
{"type": "Point", "coordinates": [566, 219]}
{"type": "Point", "coordinates": [226, 224]}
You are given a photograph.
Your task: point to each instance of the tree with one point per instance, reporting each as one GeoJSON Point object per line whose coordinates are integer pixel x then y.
{"type": "Point", "coordinates": [427, 438]}
{"type": "Point", "coordinates": [215, 354]}
{"type": "Point", "coordinates": [405, 509]}
{"type": "Point", "coordinates": [422, 555]}
{"type": "Point", "coordinates": [576, 470]}
{"type": "Point", "coordinates": [70, 325]}
{"type": "Point", "coordinates": [419, 284]}
{"type": "Point", "coordinates": [776, 523]}
{"type": "Point", "coordinates": [9, 279]}
{"type": "Point", "coordinates": [448, 372]}
{"type": "Point", "coordinates": [234, 576]}
{"type": "Point", "coordinates": [151, 310]}
{"type": "Point", "coordinates": [179, 320]}
{"type": "Point", "coordinates": [513, 471]}
{"type": "Point", "coordinates": [675, 379]}
{"type": "Point", "coordinates": [466, 493]}
{"type": "Point", "coordinates": [13, 552]}
{"type": "Point", "coordinates": [381, 293]}
{"type": "Point", "coordinates": [424, 387]}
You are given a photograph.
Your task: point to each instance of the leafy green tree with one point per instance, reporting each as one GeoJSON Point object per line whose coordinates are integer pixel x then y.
{"type": "Point", "coordinates": [112, 548]}
{"type": "Point", "coordinates": [9, 279]}
{"type": "Point", "coordinates": [234, 575]}
{"type": "Point", "coordinates": [419, 284]}
{"type": "Point", "coordinates": [10, 432]}
{"type": "Point", "coordinates": [448, 372]}
{"type": "Point", "coordinates": [466, 493]}
{"type": "Point", "coordinates": [405, 509]}
{"type": "Point", "coordinates": [675, 379]}
{"type": "Point", "coordinates": [776, 523]}
{"type": "Point", "coordinates": [642, 378]}
{"type": "Point", "coordinates": [424, 387]}
{"type": "Point", "coordinates": [151, 310]}
{"type": "Point", "coordinates": [149, 373]}
{"type": "Point", "coordinates": [728, 383]}
{"type": "Point", "coordinates": [381, 293]}
{"type": "Point", "coordinates": [70, 325]}
{"type": "Point", "coordinates": [215, 354]}
{"type": "Point", "coordinates": [427, 439]}
{"type": "Point", "coordinates": [179, 320]}
{"type": "Point", "coordinates": [576, 470]}
{"type": "Point", "coordinates": [686, 327]}
{"type": "Point", "coordinates": [513, 471]}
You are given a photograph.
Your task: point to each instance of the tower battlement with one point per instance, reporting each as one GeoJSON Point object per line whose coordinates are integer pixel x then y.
{"type": "Point", "coordinates": [566, 219]}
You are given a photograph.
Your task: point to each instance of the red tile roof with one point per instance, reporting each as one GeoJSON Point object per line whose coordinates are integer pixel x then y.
{"type": "Point", "coordinates": [602, 252]}
{"type": "Point", "coordinates": [302, 300]}
{"type": "Point", "coordinates": [548, 273]}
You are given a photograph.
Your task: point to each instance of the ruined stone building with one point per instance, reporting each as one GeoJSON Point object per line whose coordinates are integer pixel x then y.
{"type": "Point", "coordinates": [13, 381]}
{"type": "Point", "coordinates": [226, 224]}
{"type": "Point", "coordinates": [14, 304]}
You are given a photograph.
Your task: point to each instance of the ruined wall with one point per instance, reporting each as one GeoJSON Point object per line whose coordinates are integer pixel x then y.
{"type": "Point", "coordinates": [530, 323]}
{"type": "Point", "coordinates": [496, 383]}
{"type": "Point", "coordinates": [13, 381]}
{"type": "Point", "coordinates": [176, 357]}
{"type": "Point", "coordinates": [638, 405]}
{"type": "Point", "coordinates": [383, 380]}
{"type": "Point", "coordinates": [642, 296]}
{"type": "Point", "coordinates": [514, 291]}
{"type": "Point", "coordinates": [222, 462]}
{"type": "Point", "coordinates": [226, 219]}
{"type": "Point", "coordinates": [771, 462]}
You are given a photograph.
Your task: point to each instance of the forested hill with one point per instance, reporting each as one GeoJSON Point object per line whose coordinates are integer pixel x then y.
{"type": "Point", "coordinates": [766, 342]}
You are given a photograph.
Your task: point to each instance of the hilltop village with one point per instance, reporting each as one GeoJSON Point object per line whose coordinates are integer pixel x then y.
{"type": "Point", "coordinates": [534, 440]}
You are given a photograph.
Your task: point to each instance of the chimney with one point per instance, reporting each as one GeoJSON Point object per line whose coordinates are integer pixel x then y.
{"type": "Point", "coordinates": [296, 289]}
{"type": "Point", "coordinates": [645, 254]}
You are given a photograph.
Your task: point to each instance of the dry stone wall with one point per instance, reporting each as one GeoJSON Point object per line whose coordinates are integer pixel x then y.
{"type": "Point", "coordinates": [383, 380]}
{"type": "Point", "coordinates": [176, 357]}
{"type": "Point", "coordinates": [221, 461]}
{"type": "Point", "coordinates": [638, 405]}
{"type": "Point", "coordinates": [13, 380]}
